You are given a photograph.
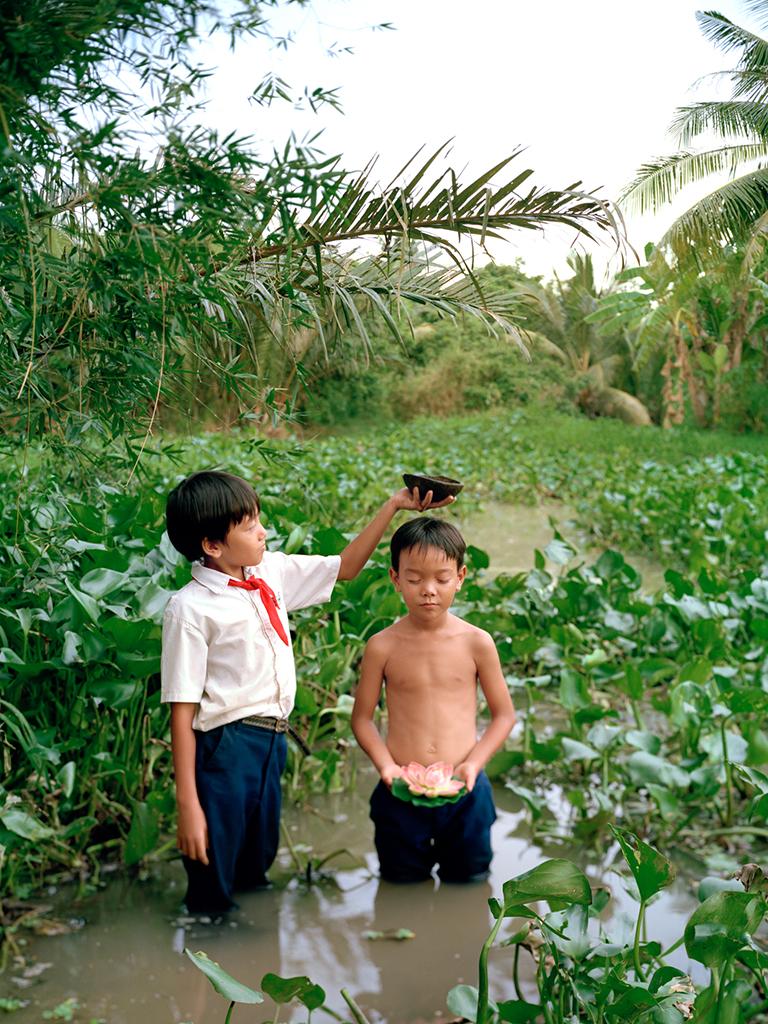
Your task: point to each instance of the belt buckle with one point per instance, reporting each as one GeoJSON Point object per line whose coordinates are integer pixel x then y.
{"type": "Point", "coordinates": [281, 725]}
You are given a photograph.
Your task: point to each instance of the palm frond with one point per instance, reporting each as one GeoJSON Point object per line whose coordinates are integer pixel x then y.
{"type": "Point", "coordinates": [728, 36]}
{"type": "Point", "coordinates": [659, 181]}
{"type": "Point", "coordinates": [547, 305]}
{"type": "Point", "coordinates": [759, 9]}
{"type": "Point", "coordinates": [652, 335]}
{"type": "Point", "coordinates": [541, 343]}
{"type": "Point", "coordinates": [754, 245]}
{"type": "Point", "coordinates": [439, 210]}
{"type": "Point", "coordinates": [724, 216]}
{"type": "Point", "coordinates": [749, 84]}
{"type": "Point", "coordinates": [736, 119]}
{"type": "Point", "coordinates": [347, 292]}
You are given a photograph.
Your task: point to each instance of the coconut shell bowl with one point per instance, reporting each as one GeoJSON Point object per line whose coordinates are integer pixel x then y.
{"type": "Point", "coordinates": [442, 487]}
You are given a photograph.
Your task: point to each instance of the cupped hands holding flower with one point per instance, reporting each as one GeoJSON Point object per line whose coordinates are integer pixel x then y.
{"type": "Point", "coordinates": [426, 785]}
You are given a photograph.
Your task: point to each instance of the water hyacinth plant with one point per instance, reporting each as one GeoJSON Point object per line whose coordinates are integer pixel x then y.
{"type": "Point", "coordinates": [586, 969]}
{"type": "Point", "coordinates": [631, 701]}
{"type": "Point", "coordinates": [586, 972]}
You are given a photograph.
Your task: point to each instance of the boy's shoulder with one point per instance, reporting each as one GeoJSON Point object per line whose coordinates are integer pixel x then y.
{"type": "Point", "coordinates": [473, 635]}
{"type": "Point", "coordinates": [384, 638]}
{"type": "Point", "coordinates": [469, 628]}
{"type": "Point", "coordinates": [187, 602]}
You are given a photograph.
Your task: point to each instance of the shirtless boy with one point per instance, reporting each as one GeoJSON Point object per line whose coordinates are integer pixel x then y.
{"type": "Point", "coordinates": [431, 662]}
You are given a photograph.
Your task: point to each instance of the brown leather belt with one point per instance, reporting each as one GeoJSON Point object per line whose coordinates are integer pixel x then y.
{"type": "Point", "coordinates": [277, 725]}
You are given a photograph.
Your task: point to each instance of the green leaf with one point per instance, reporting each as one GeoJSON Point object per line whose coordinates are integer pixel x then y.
{"type": "Point", "coordinates": [601, 735]}
{"type": "Point", "coordinates": [722, 925]}
{"type": "Point", "coordinates": [394, 934]}
{"type": "Point", "coordinates": [462, 1002]}
{"type": "Point", "coordinates": [10, 1005]}
{"type": "Point", "coordinates": [66, 778]}
{"type": "Point", "coordinates": [24, 825]}
{"type": "Point", "coordinates": [535, 803]}
{"type": "Point", "coordinates": [232, 990]}
{"type": "Point", "coordinates": [667, 802]}
{"type": "Point", "coordinates": [329, 541]}
{"type": "Point", "coordinates": [644, 768]}
{"type": "Point", "coordinates": [502, 762]}
{"type": "Point", "coordinates": [295, 539]}
{"type": "Point", "coordinates": [152, 599]}
{"type": "Point", "coordinates": [559, 882]}
{"type": "Point", "coordinates": [70, 653]}
{"type": "Point", "coordinates": [631, 1004]}
{"type": "Point", "coordinates": [515, 1011]}
{"type": "Point", "coordinates": [305, 703]}
{"type": "Point", "coordinates": [710, 885]}
{"type": "Point", "coordinates": [574, 750]}
{"type": "Point", "coordinates": [574, 690]}
{"type": "Point", "coordinates": [143, 834]}
{"type": "Point", "coordinates": [284, 990]}
{"type": "Point", "coordinates": [651, 870]}
{"type": "Point", "coordinates": [644, 740]}
{"type": "Point", "coordinates": [559, 551]}
{"type": "Point", "coordinates": [663, 976]}
{"type": "Point", "coordinates": [100, 582]}
{"type": "Point", "coordinates": [477, 558]}
{"type": "Point", "coordinates": [128, 634]}
{"type": "Point", "coordinates": [91, 608]}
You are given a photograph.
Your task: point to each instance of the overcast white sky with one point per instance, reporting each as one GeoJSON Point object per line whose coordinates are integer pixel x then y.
{"type": "Point", "coordinates": [589, 88]}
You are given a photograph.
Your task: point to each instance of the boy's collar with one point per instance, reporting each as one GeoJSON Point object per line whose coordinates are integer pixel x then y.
{"type": "Point", "coordinates": [215, 580]}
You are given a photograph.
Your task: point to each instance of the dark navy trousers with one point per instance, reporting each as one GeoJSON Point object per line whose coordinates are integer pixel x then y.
{"type": "Point", "coordinates": [410, 840]}
{"type": "Point", "coordinates": [237, 771]}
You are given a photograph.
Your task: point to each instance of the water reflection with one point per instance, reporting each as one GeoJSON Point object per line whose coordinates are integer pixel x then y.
{"type": "Point", "coordinates": [126, 965]}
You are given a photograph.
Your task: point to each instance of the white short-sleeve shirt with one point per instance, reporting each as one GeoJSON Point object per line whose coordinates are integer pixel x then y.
{"type": "Point", "coordinates": [220, 650]}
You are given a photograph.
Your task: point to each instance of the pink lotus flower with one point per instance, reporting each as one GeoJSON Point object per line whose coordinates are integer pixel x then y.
{"type": "Point", "coordinates": [433, 780]}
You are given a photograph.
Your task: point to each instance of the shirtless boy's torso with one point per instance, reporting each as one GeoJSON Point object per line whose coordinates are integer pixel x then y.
{"type": "Point", "coordinates": [431, 663]}
{"type": "Point", "coordinates": [430, 683]}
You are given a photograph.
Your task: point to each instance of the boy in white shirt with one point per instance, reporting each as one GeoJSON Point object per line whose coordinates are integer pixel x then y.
{"type": "Point", "coordinates": [229, 675]}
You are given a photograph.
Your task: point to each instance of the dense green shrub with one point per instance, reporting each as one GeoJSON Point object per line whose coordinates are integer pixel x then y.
{"type": "Point", "coordinates": [744, 403]}
{"type": "Point", "coordinates": [449, 368]}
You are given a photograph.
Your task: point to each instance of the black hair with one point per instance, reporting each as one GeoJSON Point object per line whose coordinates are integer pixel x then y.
{"type": "Point", "coordinates": [428, 533]}
{"type": "Point", "coordinates": [205, 506]}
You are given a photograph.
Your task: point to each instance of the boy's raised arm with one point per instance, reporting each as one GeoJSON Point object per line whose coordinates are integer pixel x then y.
{"type": "Point", "coordinates": [366, 701]}
{"type": "Point", "coordinates": [494, 687]}
{"type": "Point", "coordinates": [358, 551]}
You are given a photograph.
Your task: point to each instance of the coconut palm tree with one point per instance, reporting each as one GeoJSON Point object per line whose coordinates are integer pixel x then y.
{"type": "Point", "coordinates": [693, 326]}
{"type": "Point", "coordinates": [736, 211]}
{"type": "Point", "coordinates": [563, 327]}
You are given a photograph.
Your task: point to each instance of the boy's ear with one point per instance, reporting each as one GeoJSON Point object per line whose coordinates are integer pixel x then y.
{"type": "Point", "coordinates": [395, 579]}
{"type": "Point", "coordinates": [211, 548]}
{"type": "Point", "coordinates": [462, 573]}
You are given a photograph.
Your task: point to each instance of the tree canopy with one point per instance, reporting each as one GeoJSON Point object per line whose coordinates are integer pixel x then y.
{"type": "Point", "coordinates": [145, 259]}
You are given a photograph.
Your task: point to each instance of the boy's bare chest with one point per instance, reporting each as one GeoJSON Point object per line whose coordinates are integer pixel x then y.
{"type": "Point", "coordinates": [417, 666]}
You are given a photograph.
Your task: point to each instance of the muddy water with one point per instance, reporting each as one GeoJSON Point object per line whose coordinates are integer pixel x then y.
{"type": "Point", "coordinates": [511, 533]}
{"type": "Point", "coordinates": [126, 965]}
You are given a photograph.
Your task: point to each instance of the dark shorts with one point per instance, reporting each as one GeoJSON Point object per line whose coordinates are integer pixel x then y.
{"type": "Point", "coordinates": [237, 772]}
{"type": "Point", "coordinates": [410, 840]}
